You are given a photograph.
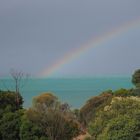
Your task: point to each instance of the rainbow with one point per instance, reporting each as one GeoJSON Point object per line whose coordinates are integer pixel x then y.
{"type": "Point", "coordinates": [98, 41]}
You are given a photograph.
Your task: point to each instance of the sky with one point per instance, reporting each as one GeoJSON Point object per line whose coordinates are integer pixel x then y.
{"type": "Point", "coordinates": [36, 34]}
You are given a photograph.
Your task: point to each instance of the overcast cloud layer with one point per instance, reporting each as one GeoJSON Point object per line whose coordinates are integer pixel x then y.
{"type": "Point", "coordinates": [34, 34]}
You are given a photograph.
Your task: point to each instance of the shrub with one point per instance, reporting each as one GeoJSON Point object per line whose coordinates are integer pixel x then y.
{"type": "Point", "coordinates": [136, 78]}
{"type": "Point", "coordinates": [121, 121]}
{"type": "Point", "coordinates": [88, 111]}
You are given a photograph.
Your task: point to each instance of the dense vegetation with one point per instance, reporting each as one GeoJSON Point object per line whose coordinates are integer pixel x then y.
{"type": "Point", "coordinates": [113, 115]}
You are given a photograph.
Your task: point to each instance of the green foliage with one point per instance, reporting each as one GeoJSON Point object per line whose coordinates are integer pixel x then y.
{"type": "Point", "coordinates": [54, 124]}
{"type": "Point", "coordinates": [88, 111]}
{"type": "Point", "coordinates": [136, 92]}
{"type": "Point", "coordinates": [8, 99]}
{"type": "Point", "coordinates": [109, 116]}
{"type": "Point", "coordinates": [10, 125]}
{"type": "Point", "coordinates": [56, 120]}
{"type": "Point", "coordinates": [48, 119]}
{"type": "Point", "coordinates": [121, 120]}
{"type": "Point", "coordinates": [122, 92]}
{"type": "Point", "coordinates": [77, 114]}
{"type": "Point", "coordinates": [97, 125]}
{"type": "Point", "coordinates": [120, 128]}
{"type": "Point", "coordinates": [10, 115]}
{"type": "Point", "coordinates": [30, 131]}
{"type": "Point", "coordinates": [136, 78]}
{"type": "Point", "coordinates": [107, 92]}
{"type": "Point", "coordinates": [45, 99]}
{"type": "Point", "coordinates": [127, 92]}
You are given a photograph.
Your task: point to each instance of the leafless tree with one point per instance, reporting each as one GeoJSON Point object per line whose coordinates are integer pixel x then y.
{"type": "Point", "coordinates": [19, 81]}
{"type": "Point", "coordinates": [18, 77]}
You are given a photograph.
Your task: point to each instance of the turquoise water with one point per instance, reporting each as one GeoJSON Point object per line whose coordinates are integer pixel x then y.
{"type": "Point", "coordinates": [73, 91]}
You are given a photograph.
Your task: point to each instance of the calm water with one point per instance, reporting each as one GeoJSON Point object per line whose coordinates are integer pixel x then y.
{"type": "Point", "coordinates": [74, 91]}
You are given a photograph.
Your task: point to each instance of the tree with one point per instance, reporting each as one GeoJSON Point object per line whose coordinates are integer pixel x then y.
{"type": "Point", "coordinates": [55, 119]}
{"type": "Point", "coordinates": [10, 125]}
{"type": "Point", "coordinates": [48, 100]}
{"type": "Point", "coordinates": [30, 130]}
{"type": "Point", "coordinates": [136, 78]}
{"type": "Point", "coordinates": [8, 101]}
{"type": "Point", "coordinates": [136, 92]}
{"type": "Point", "coordinates": [10, 115]}
{"type": "Point", "coordinates": [18, 78]}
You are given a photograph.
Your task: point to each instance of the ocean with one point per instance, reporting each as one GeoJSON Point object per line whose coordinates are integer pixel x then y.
{"type": "Point", "coordinates": [73, 91]}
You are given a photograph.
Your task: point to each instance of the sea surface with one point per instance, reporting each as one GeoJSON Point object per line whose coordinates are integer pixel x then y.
{"type": "Point", "coordinates": [73, 91]}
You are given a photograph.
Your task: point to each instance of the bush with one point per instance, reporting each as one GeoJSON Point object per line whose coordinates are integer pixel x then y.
{"type": "Point", "coordinates": [9, 99]}
{"type": "Point", "coordinates": [121, 121]}
{"type": "Point", "coordinates": [120, 128]}
{"type": "Point", "coordinates": [10, 125]}
{"type": "Point", "coordinates": [122, 92]}
{"type": "Point", "coordinates": [136, 92]}
{"type": "Point", "coordinates": [30, 130]}
{"type": "Point", "coordinates": [136, 78]}
{"type": "Point", "coordinates": [93, 105]}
